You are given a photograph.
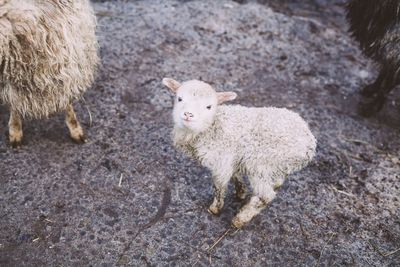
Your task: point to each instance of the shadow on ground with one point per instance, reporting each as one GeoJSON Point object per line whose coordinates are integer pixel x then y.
{"type": "Point", "coordinates": [127, 198]}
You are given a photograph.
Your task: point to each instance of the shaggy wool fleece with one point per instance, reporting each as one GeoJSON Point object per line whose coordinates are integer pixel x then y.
{"type": "Point", "coordinates": [48, 54]}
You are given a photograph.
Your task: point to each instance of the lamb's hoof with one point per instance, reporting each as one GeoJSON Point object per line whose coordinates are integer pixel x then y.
{"type": "Point", "coordinates": [214, 210]}
{"type": "Point", "coordinates": [79, 138]}
{"type": "Point", "coordinates": [238, 223]}
{"type": "Point", "coordinates": [16, 143]}
{"type": "Point", "coordinates": [370, 106]}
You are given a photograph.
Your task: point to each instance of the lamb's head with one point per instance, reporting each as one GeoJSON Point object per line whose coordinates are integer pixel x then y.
{"type": "Point", "coordinates": [195, 104]}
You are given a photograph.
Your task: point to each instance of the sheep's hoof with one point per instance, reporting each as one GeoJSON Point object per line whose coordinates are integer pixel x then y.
{"type": "Point", "coordinates": [369, 90]}
{"type": "Point", "coordinates": [370, 106]}
{"type": "Point", "coordinates": [237, 223]}
{"type": "Point", "coordinates": [214, 210]}
{"type": "Point", "coordinates": [16, 143]}
{"type": "Point", "coordinates": [16, 140]}
{"type": "Point", "coordinates": [79, 139]}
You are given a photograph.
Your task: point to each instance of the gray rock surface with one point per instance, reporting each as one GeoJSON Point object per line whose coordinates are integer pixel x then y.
{"type": "Point", "coordinates": [127, 198]}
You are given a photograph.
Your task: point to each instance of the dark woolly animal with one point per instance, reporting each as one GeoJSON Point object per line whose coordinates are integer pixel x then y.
{"type": "Point", "coordinates": [375, 24]}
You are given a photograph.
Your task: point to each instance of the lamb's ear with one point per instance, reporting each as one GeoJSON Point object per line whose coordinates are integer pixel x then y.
{"type": "Point", "coordinates": [171, 84]}
{"type": "Point", "coordinates": [225, 96]}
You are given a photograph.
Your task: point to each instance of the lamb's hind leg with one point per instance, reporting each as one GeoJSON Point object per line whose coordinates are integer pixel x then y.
{"type": "Point", "coordinates": [257, 203]}
{"type": "Point", "coordinates": [75, 129]}
{"type": "Point", "coordinates": [15, 129]}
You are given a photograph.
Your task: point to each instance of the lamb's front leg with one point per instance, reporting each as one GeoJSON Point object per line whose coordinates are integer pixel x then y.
{"type": "Point", "coordinates": [75, 129]}
{"type": "Point", "coordinates": [220, 186]}
{"type": "Point", "coordinates": [15, 129]}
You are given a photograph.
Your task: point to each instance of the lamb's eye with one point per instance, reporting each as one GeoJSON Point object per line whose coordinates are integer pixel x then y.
{"type": "Point", "coordinates": [179, 99]}
{"type": "Point", "coordinates": [209, 107]}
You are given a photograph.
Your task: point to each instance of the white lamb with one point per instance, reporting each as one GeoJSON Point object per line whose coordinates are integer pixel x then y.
{"type": "Point", "coordinates": [266, 144]}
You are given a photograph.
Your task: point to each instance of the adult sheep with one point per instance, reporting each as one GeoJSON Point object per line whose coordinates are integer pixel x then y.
{"type": "Point", "coordinates": [376, 26]}
{"type": "Point", "coordinates": [48, 58]}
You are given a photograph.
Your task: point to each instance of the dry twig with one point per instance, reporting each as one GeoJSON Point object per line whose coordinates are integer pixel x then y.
{"type": "Point", "coordinates": [382, 253]}
{"type": "Point", "coordinates": [323, 248]}
{"type": "Point", "coordinates": [343, 192]}
{"type": "Point", "coordinates": [219, 240]}
{"type": "Point", "coordinates": [120, 180]}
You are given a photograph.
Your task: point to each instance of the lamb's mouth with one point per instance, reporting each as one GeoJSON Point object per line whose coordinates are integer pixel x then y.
{"type": "Point", "coordinates": [188, 124]}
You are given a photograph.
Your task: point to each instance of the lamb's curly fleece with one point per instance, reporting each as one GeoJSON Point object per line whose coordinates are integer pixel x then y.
{"type": "Point", "coordinates": [48, 54]}
{"type": "Point", "coordinates": [267, 144]}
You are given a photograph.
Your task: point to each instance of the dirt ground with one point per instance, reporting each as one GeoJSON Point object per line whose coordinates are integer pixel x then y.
{"type": "Point", "coordinates": [128, 198]}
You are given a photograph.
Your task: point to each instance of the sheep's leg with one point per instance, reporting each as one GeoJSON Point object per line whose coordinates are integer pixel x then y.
{"type": "Point", "coordinates": [248, 211]}
{"type": "Point", "coordinates": [372, 88]}
{"type": "Point", "coordinates": [263, 194]}
{"type": "Point", "coordinates": [75, 129]}
{"type": "Point", "coordinates": [375, 94]}
{"type": "Point", "coordinates": [220, 185]}
{"type": "Point", "coordinates": [240, 186]}
{"type": "Point", "coordinates": [15, 129]}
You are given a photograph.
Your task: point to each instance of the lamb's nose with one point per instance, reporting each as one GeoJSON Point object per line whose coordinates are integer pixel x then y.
{"type": "Point", "coordinates": [188, 115]}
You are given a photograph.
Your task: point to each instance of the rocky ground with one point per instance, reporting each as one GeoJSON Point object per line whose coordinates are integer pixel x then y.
{"type": "Point", "coordinates": [127, 198]}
